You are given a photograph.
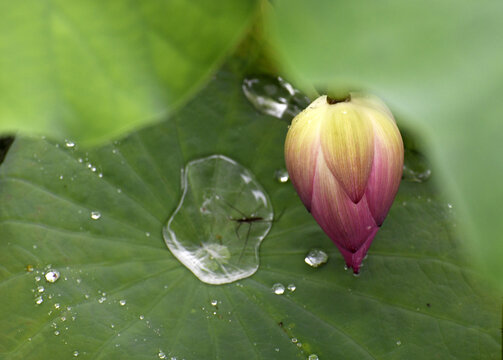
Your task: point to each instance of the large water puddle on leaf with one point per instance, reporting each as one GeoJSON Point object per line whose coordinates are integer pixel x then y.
{"type": "Point", "coordinates": [223, 216]}
{"type": "Point", "coordinates": [274, 96]}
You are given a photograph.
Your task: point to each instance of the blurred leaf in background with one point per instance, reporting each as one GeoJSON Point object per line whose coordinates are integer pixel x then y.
{"type": "Point", "coordinates": [438, 64]}
{"type": "Point", "coordinates": [90, 70]}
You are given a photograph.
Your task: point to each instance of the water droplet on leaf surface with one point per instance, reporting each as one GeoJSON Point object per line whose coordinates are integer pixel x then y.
{"type": "Point", "coordinates": [95, 215]}
{"type": "Point", "coordinates": [313, 357]}
{"type": "Point", "coordinates": [274, 96]}
{"type": "Point", "coordinates": [52, 276]}
{"type": "Point", "coordinates": [278, 289]}
{"type": "Point", "coordinates": [223, 216]}
{"type": "Point", "coordinates": [316, 258]}
{"type": "Point", "coordinates": [281, 176]}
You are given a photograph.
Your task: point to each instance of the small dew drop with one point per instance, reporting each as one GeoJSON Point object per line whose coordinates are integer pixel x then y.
{"type": "Point", "coordinates": [102, 299]}
{"type": "Point", "coordinates": [142, 317]}
{"type": "Point", "coordinates": [52, 276]}
{"type": "Point", "coordinates": [316, 258]}
{"type": "Point", "coordinates": [147, 234]}
{"type": "Point", "coordinates": [161, 355]}
{"type": "Point", "coordinates": [69, 144]}
{"type": "Point", "coordinates": [278, 289]}
{"type": "Point", "coordinates": [292, 287]}
{"type": "Point", "coordinates": [39, 300]}
{"type": "Point", "coordinates": [95, 215]}
{"type": "Point", "coordinates": [449, 206]}
{"type": "Point", "coordinates": [56, 332]}
{"type": "Point", "coordinates": [56, 306]}
{"type": "Point", "coordinates": [37, 278]}
{"type": "Point", "coordinates": [122, 302]}
{"type": "Point", "coordinates": [75, 353]}
{"type": "Point", "coordinates": [281, 176]}
{"type": "Point", "coordinates": [214, 302]}
{"type": "Point", "coordinates": [398, 343]}
{"type": "Point", "coordinates": [60, 177]}
{"type": "Point", "coordinates": [100, 175]}
{"type": "Point", "coordinates": [313, 357]}
{"type": "Point", "coordinates": [294, 340]}
{"type": "Point", "coordinates": [29, 268]}
{"type": "Point", "coordinates": [40, 289]}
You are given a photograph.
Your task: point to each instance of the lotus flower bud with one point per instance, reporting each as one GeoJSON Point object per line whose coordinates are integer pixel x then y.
{"type": "Point", "coordinates": [345, 160]}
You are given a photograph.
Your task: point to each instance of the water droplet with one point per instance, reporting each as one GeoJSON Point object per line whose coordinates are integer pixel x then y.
{"type": "Point", "coordinates": [274, 96]}
{"type": "Point", "coordinates": [60, 177]}
{"type": "Point", "coordinates": [294, 340]}
{"type": "Point", "coordinates": [399, 343]}
{"type": "Point", "coordinates": [316, 258]}
{"type": "Point", "coordinates": [52, 276]}
{"type": "Point", "coordinates": [40, 289]}
{"type": "Point", "coordinates": [102, 299]}
{"type": "Point", "coordinates": [291, 287]}
{"type": "Point", "coordinates": [313, 357]}
{"type": "Point", "coordinates": [223, 244]}
{"type": "Point", "coordinates": [214, 302]}
{"type": "Point", "coordinates": [29, 268]}
{"type": "Point", "coordinates": [449, 206]}
{"type": "Point", "coordinates": [100, 175]}
{"type": "Point", "coordinates": [278, 289]}
{"type": "Point", "coordinates": [122, 302]}
{"type": "Point", "coordinates": [56, 306]}
{"type": "Point", "coordinates": [276, 349]}
{"type": "Point", "coordinates": [147, 234]}
{"type": "Point", "coordinates": [281, 176]}
{"type": "Point", "coordinates": [39, 300]}
{"type": "Point", "coordinates": [75, 353]}
{"type": "Point", "coordinates": [142, 317]}
{"type": "Point", "coordinates": [415, 167]}
{"type": "Point", "coordinates": [37, 278]}
{"type": "Point", "coordinates": [161, 355]}
{"type": "Point", "coordinates": [95, 215]}
{"type": "Point", "coordinates": [56, 332]}
{"type": "Point", "coordinates": [69, 144]}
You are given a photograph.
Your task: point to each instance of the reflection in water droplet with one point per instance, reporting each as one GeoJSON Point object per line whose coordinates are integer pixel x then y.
{"type": "Point", "coordinates": [292, 287]}
{"type": "Point", "coordinates": [281, 176]}
{"type": "Point", "coordinates": [75, 353]}
{"type": "Point", "coordinates": [40, 289]}
{"type": "Point", "coordinates": [214, 302]}
{"type": "Point", "coordinates": [39, 300]}
{"type": "Point", "coordinates": [316, 258]}
{"type": "Point", "coordinates": [222, 218]}
{"type": "Point", "coordinates": [313, 357]}
{"type": "Point", "coordinates": [278, 289]}
{"type": "Point", "coordinates": [294, 340]}
{"type": "Point", "coordinates": [52, 276]}
{"type": "Point", "coordinates": [56, 332]}
{"type": "Point", "coordinates": [95, 215]}
{"type": "Point", "coordinates": [122, 302]}
{"type": "Point", "coordinates": [274, 96]}
{"type": "Point", "coordinates": [161, 355]}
